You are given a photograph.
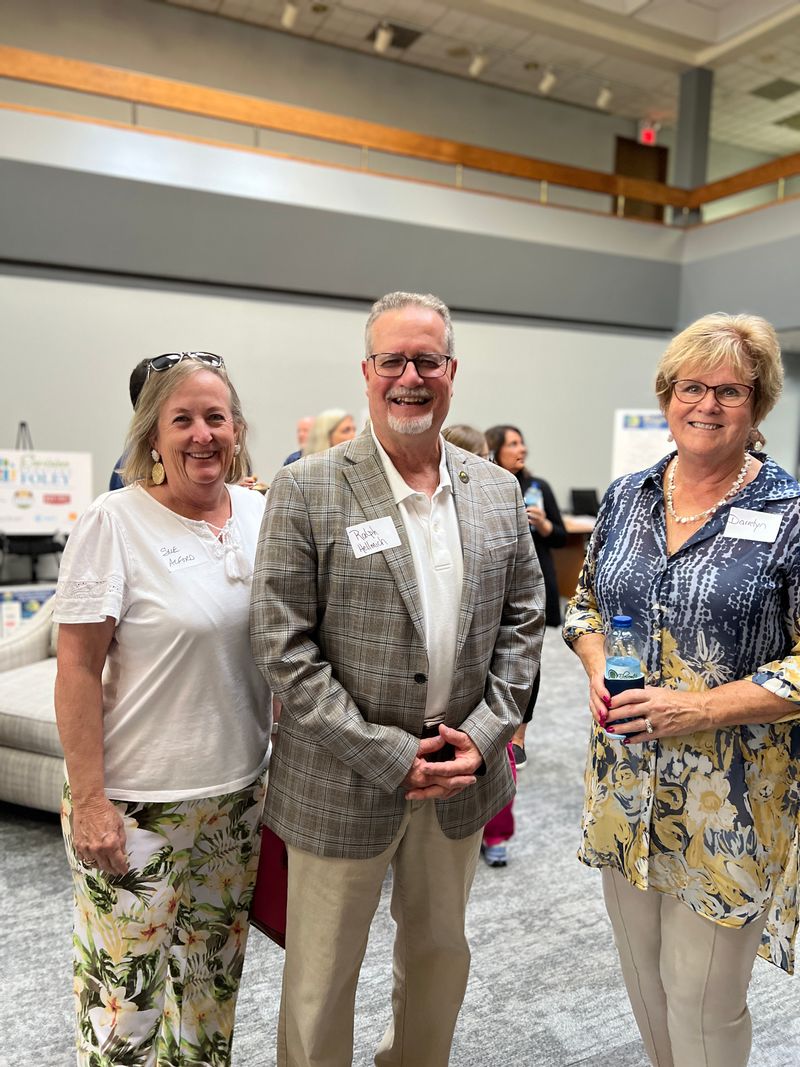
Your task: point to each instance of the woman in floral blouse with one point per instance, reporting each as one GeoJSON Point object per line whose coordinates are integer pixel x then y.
{"type": "Point", "coordinates": [691, 805]}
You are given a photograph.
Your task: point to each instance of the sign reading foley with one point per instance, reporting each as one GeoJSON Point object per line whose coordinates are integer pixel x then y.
{"type": "Point", "coordinates": [43, 492]}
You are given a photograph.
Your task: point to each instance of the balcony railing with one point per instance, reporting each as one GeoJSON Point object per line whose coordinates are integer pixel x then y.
{"type": "Point", "coordinates": [156, 104]}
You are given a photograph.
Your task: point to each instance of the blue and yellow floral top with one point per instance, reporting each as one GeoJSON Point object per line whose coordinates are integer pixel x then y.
{"type": "Point", "coordinates": [710, 817]}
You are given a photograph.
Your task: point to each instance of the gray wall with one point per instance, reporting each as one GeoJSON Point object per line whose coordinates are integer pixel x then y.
{"type": "Point", "coordinates": [76, 341]}
{"type": "Point", "coordinates": [117, 200]}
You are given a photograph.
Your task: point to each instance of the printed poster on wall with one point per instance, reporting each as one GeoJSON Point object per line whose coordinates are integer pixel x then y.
{"type": "Point", "coordinates": [43, 492]}
{"type": "Point", "coordinates": [640, 440]}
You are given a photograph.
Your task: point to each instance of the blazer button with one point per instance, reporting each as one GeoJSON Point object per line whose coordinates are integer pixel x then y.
{"type": "Point", "coordinates": [420, 679]}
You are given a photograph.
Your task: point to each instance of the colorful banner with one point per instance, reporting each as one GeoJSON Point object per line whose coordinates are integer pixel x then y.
{"type": "Point", "coordinates": [43, 492]}
{"type": "Point", "coordinates": [640, 440]}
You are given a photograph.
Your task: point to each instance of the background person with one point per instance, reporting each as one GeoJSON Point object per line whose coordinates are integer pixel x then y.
{"type": "Point", "coordinates": [164, 719]}
{"type": "Point", "coordinates": [328, 429]}
{"type": "Point", "coordinates": [303, 426]}
{"type": "Point", "coordinates": [383, 653]}
{"type": "Point", "coordinates": [691, 807]}
{"type": "Point", "coordinates": [135, 383]}
{"type": "Point", "coordinates": [509, 451]}
{"type": "Point", "coordinates": [500, 828]}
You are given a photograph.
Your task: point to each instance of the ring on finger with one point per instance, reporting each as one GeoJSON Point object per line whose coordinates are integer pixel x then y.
{"type": "Point", "coordinates": [648, 726]}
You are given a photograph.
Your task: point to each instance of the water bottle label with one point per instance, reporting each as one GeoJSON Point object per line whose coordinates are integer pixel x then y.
{"type": "Point", "coordinates": [623, 672]}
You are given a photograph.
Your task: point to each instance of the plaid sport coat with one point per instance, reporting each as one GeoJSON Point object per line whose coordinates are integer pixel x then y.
{"type": "Point", "coordinates": [340, 640]}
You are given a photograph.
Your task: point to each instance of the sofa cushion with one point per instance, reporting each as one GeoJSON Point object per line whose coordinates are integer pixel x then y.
{"type": "Point", "coordinates": [27, 714]}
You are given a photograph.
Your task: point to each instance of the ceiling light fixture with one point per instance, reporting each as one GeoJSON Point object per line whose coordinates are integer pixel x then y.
{"type": "Point", "coordinates": [383, 37]}
{"type": "Point", "coordinates": [289, 15]}
{"type": "Point", "coordinates": [478, 64]}
{"type": "Point", "coordinates": [547, 82]}
{"type": "Point", "coordinates": [603, 98]}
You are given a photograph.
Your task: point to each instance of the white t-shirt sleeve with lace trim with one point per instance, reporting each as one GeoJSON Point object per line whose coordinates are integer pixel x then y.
{"type": "Point", "coordinates": [95, 569]}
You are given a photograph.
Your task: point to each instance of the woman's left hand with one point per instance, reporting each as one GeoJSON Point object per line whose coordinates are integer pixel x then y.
{"type": "Point", "coordinates": [668, 712]}
{"type": "Point", "coordinates": [539, 521]}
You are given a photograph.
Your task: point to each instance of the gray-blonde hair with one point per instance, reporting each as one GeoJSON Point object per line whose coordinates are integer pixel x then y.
{"type": "Point", "coordinates": [398, 301]}
{"type": "Point", "coordinates": [319, 436]}
{"type": "Point", "coordinates": [466, 437]}
{"type": "Point", "coordinates": [142, 431]}
{"type": "Point", "coordinates": [747, 342]}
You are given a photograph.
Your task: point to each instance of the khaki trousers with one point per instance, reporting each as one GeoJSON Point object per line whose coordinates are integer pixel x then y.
{"type": "Point", "coordinates": [331, 903]}
{"type": "Point", "coordinates": [686, 976]}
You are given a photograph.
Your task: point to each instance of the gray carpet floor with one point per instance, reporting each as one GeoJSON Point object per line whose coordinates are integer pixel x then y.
{"type": "Point", "coordinates": [544, 991]}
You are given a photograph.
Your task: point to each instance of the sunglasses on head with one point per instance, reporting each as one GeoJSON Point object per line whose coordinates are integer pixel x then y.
{"type": "Point", "coordinates": [171, 359]}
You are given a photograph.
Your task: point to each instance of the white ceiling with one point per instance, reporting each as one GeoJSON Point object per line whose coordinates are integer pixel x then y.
{"type": "Point", "coordinates": [638, 48]}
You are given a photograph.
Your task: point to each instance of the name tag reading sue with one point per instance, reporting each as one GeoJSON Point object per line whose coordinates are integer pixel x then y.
{"type": "Point", "coordinates": [752, 525]}
{"type": "Point", "coordinates": [178, 555]}
{"type": "Point", "coordinates": [376, 536]}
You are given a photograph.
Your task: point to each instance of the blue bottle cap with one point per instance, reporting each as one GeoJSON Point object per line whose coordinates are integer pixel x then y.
{"type": "Point", "coordinates": [621, 620]}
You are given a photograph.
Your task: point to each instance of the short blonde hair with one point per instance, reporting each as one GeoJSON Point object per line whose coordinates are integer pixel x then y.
{"type": "Point", "coordinates": [747, 342]}
{"type": "Point", "coordinates": [319, 436]}
{"type": "Point", "coordinates": [138, 462]}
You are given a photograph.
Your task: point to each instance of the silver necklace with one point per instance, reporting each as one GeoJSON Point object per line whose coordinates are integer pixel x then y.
{"type": "Point", "coordinates": [734, 489]}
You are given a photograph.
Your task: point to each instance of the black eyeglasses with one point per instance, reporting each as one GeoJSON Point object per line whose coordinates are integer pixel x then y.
{"type": "Point", "coordinates": [393, 364]}
{"type": "Point", "coordinates": [730, 395]}
{"type": "Point", "coordinates": [171, 359]}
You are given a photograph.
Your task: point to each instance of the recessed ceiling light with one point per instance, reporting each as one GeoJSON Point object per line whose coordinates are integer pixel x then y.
{"type": "Point", "coordinates": [547, 81]}
{"type": "Point", "coordinates": [478, 64]}
{"type": "Point", "coordinates": [289, 15]}
{"type": "Point", "coordinates": [531, 65]}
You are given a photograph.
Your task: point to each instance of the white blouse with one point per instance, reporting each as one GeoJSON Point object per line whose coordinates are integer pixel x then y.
{"type": "Point", "coordinates": [186, 711]}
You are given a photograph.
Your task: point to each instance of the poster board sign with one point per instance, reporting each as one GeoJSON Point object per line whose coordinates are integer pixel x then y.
{"type": "Point", "coordinates": [640, 440]}
{"type": "Point", "coordinates": [43, 492]}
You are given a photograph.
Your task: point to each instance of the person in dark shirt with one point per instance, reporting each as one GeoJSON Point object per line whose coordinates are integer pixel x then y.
{"type": "Point", "coordinates": [508, 450]}
{"type": "Point", "coordinates": [137, 379]}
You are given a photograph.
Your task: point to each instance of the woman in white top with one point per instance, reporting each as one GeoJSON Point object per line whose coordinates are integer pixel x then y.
{"type": "Point", "coordinates": [165, 721]}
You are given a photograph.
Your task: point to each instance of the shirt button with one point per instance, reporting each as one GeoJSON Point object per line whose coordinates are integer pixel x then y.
{"type": "Point", "coordinates": [420, 678]}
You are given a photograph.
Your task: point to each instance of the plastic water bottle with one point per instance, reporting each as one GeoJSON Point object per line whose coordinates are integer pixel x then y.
{"type": "Point", "coordinates": [533, 496]}
{"type": "Point", "coordinates": [623, 660]}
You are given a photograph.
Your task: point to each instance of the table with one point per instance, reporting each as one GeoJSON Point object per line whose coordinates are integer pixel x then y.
{"type": "Point", "coordinates": [569, 559]}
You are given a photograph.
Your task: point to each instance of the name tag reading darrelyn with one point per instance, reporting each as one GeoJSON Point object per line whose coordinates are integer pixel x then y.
{"type": "Point", "coordinates": [375, 536]}
{"type": "Point", "coordinates": [752, 525]}
{"type": "Point", "coordinates": [180, 554]}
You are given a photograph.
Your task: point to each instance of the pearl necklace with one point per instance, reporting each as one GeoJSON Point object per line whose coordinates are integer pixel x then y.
{"type": "Point", "coordinates": [734, 489]}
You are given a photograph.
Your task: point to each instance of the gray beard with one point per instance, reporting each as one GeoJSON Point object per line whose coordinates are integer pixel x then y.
{"type": "Point", "coordinates": [412, 425]}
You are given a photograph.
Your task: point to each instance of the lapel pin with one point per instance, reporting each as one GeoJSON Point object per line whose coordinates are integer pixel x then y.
{"type": "Point", "coordinates": [463, 476]}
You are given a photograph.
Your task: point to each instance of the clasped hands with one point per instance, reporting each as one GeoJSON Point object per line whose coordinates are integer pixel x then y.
{"type": "Point", "coordinates": [438, 781]}
{"type": "Point", "coordinates": [670, 712]}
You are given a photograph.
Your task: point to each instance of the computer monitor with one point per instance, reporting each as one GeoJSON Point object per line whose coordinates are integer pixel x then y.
{"type": "Point", "coordinates": [584, 501]}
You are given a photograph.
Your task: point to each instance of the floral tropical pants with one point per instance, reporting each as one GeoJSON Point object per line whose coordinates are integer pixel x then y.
{"type": "Point", "coordinates": [158, 951]}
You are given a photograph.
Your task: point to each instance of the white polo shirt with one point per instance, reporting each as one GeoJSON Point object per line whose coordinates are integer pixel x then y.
{"type": "Point", "coordinates": [435, 542]}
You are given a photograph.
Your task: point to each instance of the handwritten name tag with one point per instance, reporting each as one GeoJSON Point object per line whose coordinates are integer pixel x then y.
{"type": "Point", "coordinates": [752, 525]}
{"type": "Point", "coordinates": [375, 536]}
{"type": "Point", "coordinates": [178, 555]}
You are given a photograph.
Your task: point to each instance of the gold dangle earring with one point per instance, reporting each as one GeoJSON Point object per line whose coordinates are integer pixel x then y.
{"type": "Point", "coordinates": [157, 475]}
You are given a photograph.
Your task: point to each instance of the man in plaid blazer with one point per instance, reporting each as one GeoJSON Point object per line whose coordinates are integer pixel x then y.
{"type": "Point", "coordinates": [397, 612]}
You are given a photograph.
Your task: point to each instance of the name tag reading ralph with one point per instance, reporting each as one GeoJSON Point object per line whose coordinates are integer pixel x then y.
{"type": "Point", "coordinates": [752, 525]}
{"type": "Point", "coordinates": [375, 536]}
{"type": "Point", "coordinates": [178, 555]}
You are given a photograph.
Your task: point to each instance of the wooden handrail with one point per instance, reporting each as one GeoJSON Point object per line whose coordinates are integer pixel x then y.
{"type": "Point", "coordinates": [112, 82]}
{"type": "Point", "coordinates": [744, 181]}
{"type": "Point", "coordinates": [99, 80]}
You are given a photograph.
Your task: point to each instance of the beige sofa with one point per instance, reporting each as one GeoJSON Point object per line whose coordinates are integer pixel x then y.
{"type": "Point", "coordinates": [31, 759]}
